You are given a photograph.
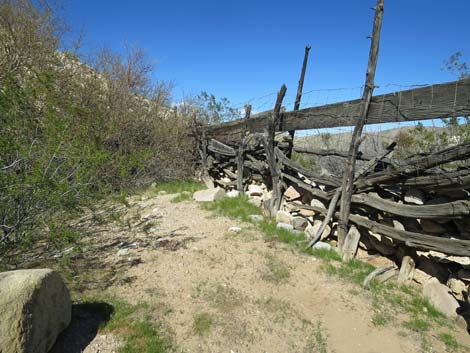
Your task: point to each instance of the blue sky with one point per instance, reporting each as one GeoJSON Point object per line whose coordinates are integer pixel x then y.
{"type": "Point", "coordinates": [247, 49]}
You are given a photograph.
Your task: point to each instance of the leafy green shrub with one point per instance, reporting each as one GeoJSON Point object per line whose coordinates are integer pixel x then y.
{"type": "Point", "coordinates": [72, 132]}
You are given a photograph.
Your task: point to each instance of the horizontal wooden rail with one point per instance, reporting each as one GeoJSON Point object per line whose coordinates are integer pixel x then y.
{"type": "Point", "coordinates": [430, 102]}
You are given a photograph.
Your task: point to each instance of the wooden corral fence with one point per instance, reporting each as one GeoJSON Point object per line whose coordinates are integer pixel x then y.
{"type": "Point", "coordinates": [400, 208]}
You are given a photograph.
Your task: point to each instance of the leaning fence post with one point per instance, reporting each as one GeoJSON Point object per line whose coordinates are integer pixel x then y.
{"type": "Point", "coordinates": [348, 176]}
{"type": "Point", "coordinates": [274, 169]}
{"type": "Point", "coordinates": [298, 97]}
{"type": "Point", "coordinates": [241, 150]}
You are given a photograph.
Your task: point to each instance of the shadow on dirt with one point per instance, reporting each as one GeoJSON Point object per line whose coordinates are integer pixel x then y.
{"type": "Point", "coordinates": [87, 318]}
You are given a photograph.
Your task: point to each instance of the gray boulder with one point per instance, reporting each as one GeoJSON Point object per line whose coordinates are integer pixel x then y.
{"type": "Point", "coordinates": [209, 195]}
{"type": "Point", "coordinates": [441, 297]}
{"type": "Point", "coordinates": [35, 307]}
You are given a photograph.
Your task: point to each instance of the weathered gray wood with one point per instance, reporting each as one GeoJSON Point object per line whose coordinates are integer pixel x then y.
{"type": "Point", "coordinates": [230, 173]}
{"type": "Point", "coordinates": [348, 176]}
{"type": "Point", "coordinates": [321, 179]}
{"type": "Point", "coordinates": [430, 102]}
{"type": "Point", "coordinates": [457, 180]}
{"type": "Point", "coordinates": [334, 200]}
{"type": "Point", "coordinates": [274, 168]}
{"type": "Point", "coordinates": [377, 272]}
{"type": "Point", "coordinates": [406, 269]}
{"type": "Point", "coordinates": [314, 191]}
{"type": "Point", "coordinates": [298, 97]}
{"type": "Point", "coordinates": [351, 243]}
{"type": "Point", "coordinates": [221, 148]}
{"type": "Point", "coordinates": [329, 152]}
{"type": "Point", "coordinates": [418, 241]}
{"type": "Point", "coordinates": [455, 209]}
{"type": "Point", "coordinates": [241, 151]}
{"type": "Point", "coordinates": [415, 167]}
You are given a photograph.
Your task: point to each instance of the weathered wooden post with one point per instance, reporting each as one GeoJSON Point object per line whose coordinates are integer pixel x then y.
{"type": "Point", "coordinates": [274, 169]}
{"type": "Point", "coordinates": [298, 97]}
{"type": "Point", "coordinates": [241, 150]}
{"type": "Point", "coordinates": [348, 176]}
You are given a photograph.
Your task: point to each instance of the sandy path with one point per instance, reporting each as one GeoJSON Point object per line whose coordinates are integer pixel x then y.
{"type": "Point", "coordinates": [260, 296]}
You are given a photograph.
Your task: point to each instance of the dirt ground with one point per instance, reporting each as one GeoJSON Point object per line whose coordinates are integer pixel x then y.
{"type": "Point", "coordinates": [220, 291]}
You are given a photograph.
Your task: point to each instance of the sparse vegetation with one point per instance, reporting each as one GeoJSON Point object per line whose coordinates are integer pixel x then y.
{"type": "Point", "coordinates": [202, 323]}
{"type": "Point", "coordinates": [450, 342]}
{"type": "Point", "coordinates": [237, 207]}
{"type": "Point", "coordinates": [178, 186]}
{"type": "Point", "coordinates": [278, 272]}
{"type": "Point", "coordinates": [140, 331]}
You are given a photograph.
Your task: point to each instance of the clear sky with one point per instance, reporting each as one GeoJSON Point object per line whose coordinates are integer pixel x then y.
{"type": "Point", "coordinates": [246, 49]}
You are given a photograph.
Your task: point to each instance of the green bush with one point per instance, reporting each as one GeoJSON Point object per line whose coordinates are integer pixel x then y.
{"type": "Point", "coordinates": [72, 132]}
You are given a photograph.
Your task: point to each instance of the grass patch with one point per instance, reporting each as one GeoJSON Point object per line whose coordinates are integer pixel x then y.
{"type": "Point", "coordinates": [278, 272]}
{"type": "Point", "coordinates": [174, 187]}
{"type": "Point", "coordinates": [184, 196]}
{"type": "Point", "coordinates": [202, 323]}
{"type": "Point", "coordinates": [141, 334]}
{"type": "Point", "coordinates": [233, 207]}
{"type": "Point", "coordinates": [450, 342]}
{"type": "Point", "coordinates": [417, 325]}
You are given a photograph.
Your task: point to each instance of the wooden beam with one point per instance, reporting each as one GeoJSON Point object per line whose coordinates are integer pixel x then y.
{"type": "Point", "coordinates": [221, 148]}
{"type": "Point", "coordinates": [419, 241]}
{"type": "Point", "coordinates": [430, 102]}
{"type": "Point", "coordinates": [455, 209]}
{"type": "Point", "coordinates": [329, 152]}
{"type": "Point", "coordinates": [270, 132]}
{"type": "Point", "coordinates": [317, 177]}
{"type": "Point", "coordinates": [415, 167]}
{"type": "Point", "coordinates": [241, 152]}
{"type": "Point", "coordinates": [348, 175]}
{"type": "Point", "coordinates": [298, 97]}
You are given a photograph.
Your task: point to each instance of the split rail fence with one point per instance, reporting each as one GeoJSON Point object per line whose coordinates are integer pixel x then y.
{"type": "Point", "coordinates": [378, 211]}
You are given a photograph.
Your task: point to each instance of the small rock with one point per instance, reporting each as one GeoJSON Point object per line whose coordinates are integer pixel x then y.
{"type": "Point", "coordinates": [457, 286]}
{"type": "Point", "coordinates": [209, 195]}
{"type": "Point", "coordinates": [322, 245]}
{"type": "Point", "coordinates": [162, 192]}
{"type": "Point", "coordinates": [306, 213]}
{"type": "Point", "coordinates": [254, 190]}
{"type": "Point", "coordinates": [464, 261]}
{"type": "Point", "coordinates": [283, 217]}
{"type": "Point", "coordinates": [122, 252]}
{"type": "Point", "coordinates": [421, 277]}
{"type": "Point", "coordinates": [291, 194]}
{"type": "Point", "coordinates": [299, 223]}
{"type": "Point", "coordinates": [440, 296]}
{"type": "Point", "coordinates": [397, 225]}
{"type": "Point", "coordinates": [235, 229]}
{"type": "Point", "coordinates": [255, 218]}
{"type": "Point", "coordinates": [415, 196]}
{"type": "Point", "coordinates": [317, 203]}
{"type": "Point", "coordinates": [256, 200]}
{"type": "Point", "coordinates": [311, 231]}
{"type": "Point", "coordinates": [232, 194]}
{"type": "Point", "coordinates": [285, 226]}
